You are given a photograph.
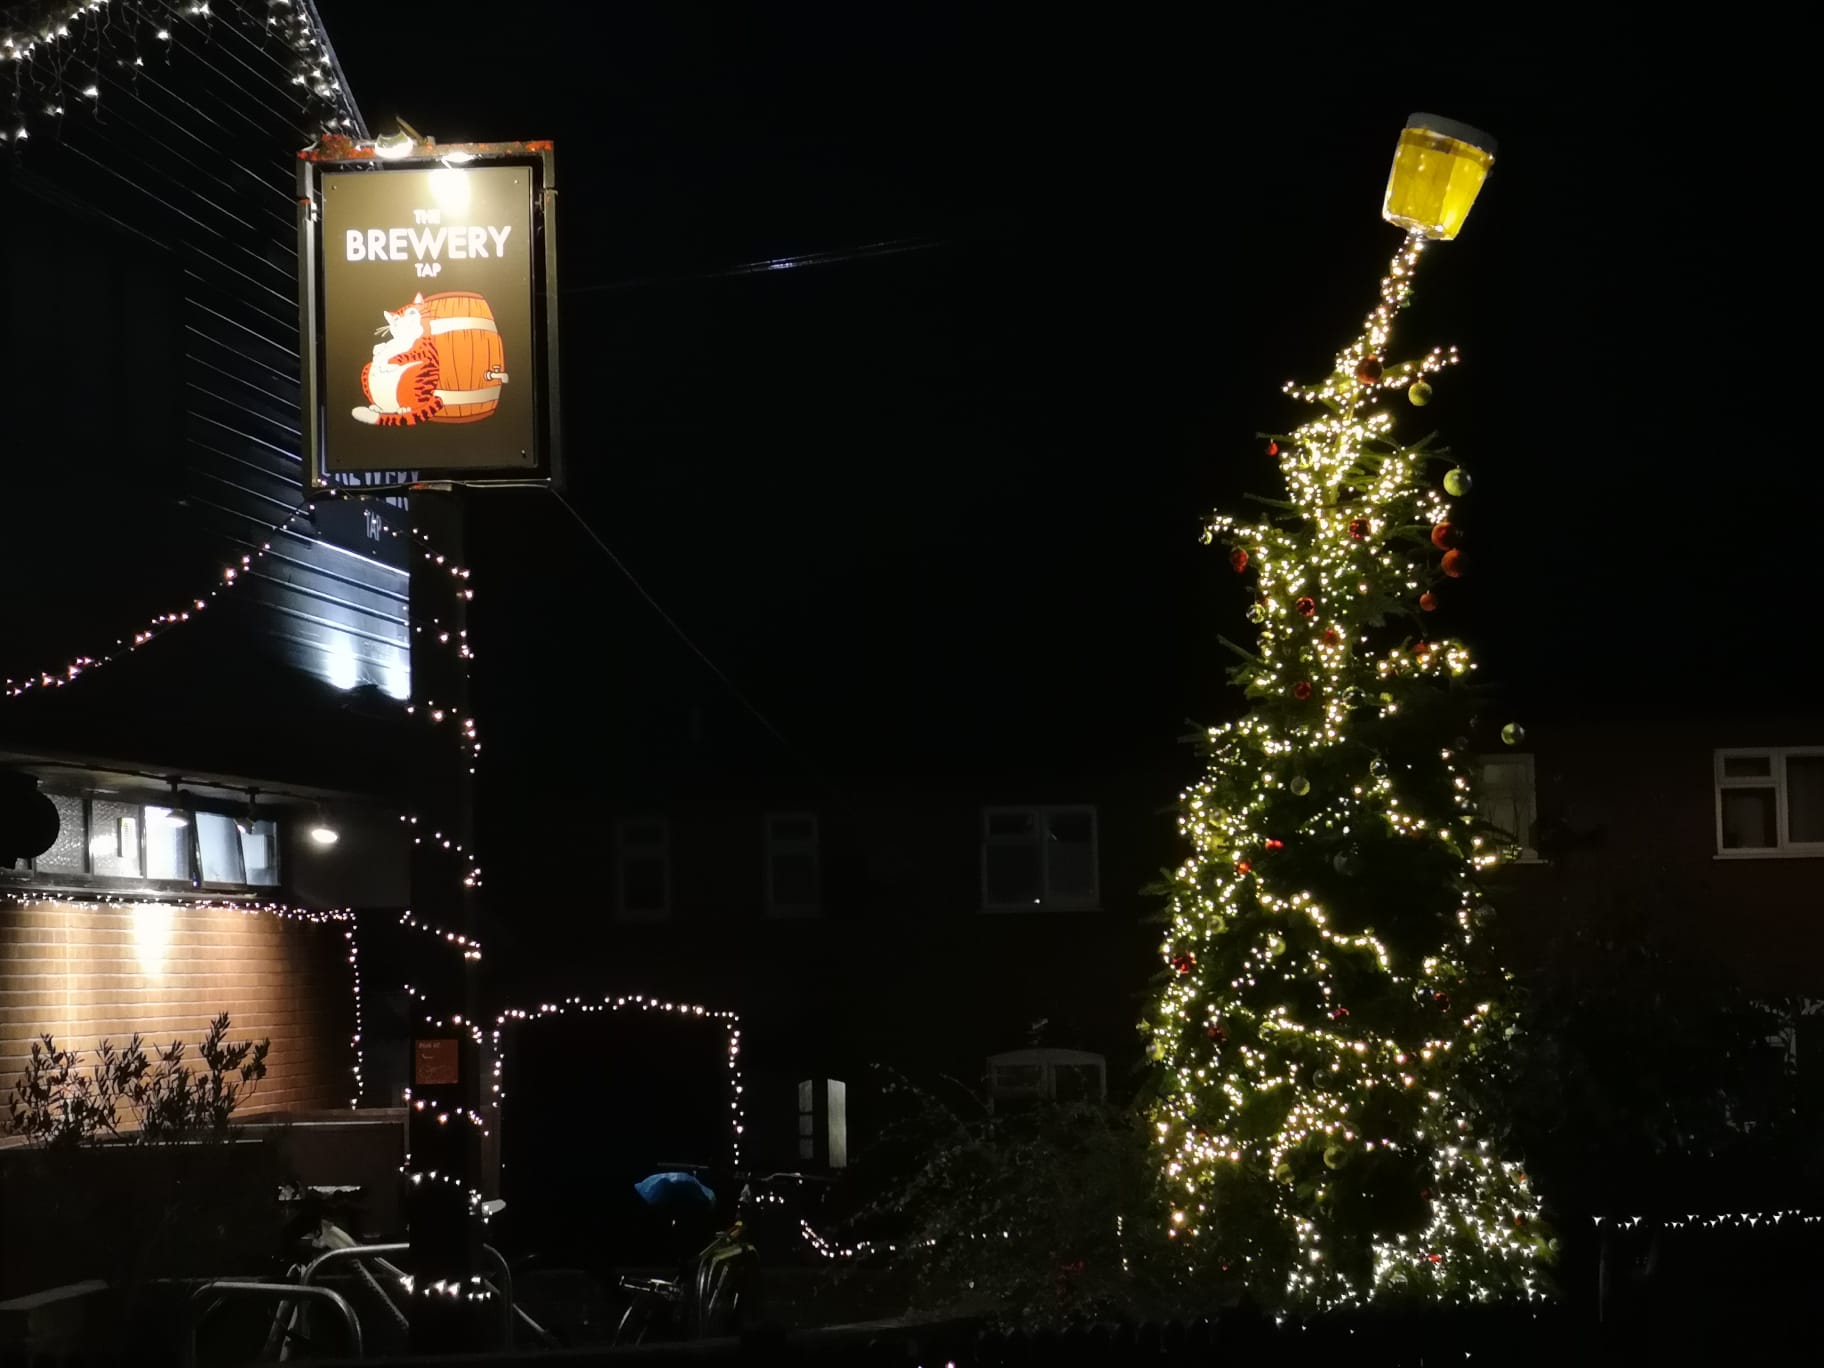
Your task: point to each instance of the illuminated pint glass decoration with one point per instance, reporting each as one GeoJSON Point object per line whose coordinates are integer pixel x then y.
{"type": "Point", "coordinates": [1438, 168]}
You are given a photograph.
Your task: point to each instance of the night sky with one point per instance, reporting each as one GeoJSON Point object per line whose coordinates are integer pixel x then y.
{"type": "Point", "coordinates": [937, 511]}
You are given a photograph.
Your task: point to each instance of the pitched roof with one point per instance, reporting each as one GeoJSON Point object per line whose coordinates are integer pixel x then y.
{"type": "Point", "coordinates": [60, 47]}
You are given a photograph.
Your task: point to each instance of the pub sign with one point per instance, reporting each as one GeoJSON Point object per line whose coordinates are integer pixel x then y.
{"type": "Point", "coordinates": [428, 300]}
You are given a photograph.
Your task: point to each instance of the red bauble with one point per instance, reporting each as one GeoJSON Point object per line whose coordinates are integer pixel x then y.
{"type": "Point", "coordinates": [1274, 843]}
{"type": "Point", "coordinates": [1331, 636]}
{"type": "Point", "coordinates": [1272, 448]}
{"type": "Point", "coordinates": [1428, 601]}
{"type": "Point", "coordinates": [1306, 606]}
{"type": "Point", "coordinates": [1452, 564]}
{"type": "Point", "coordinates": [1238, 560]}
{"type": "Point", "coordinates": [1358, 528]}
{"type": "Point", "coordinates": [1242, 866]}
{"type": "Point", "coordinates": [1301, 691]}
{"type": "Point", "coordinates": [1420, 647]}
{"type": "Point", "coordinates": [1369, 371]}
{"type": "Point", "coordinates": [1183, 963]}
{"type": "Point", "coordinates": [1339, 1014]}
{"type": "Point", "coordinates": [1443, 1001]}
{"type": "Point", "coordinates": [1435, 1258]}
{"type": "Point", "coordinates": [1218, 1035]}
{"type": "Point", "coordinates": [1444, 535]}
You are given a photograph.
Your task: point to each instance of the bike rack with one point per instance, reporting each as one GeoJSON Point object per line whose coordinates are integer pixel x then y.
{"type": "Point", "coordinates": [360, 1254]}
{"type": "Point", "coordinates": [262, 1291]}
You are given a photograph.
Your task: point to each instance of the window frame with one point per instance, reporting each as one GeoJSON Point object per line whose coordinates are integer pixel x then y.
{"type": "Point", "coordinates": [775, 846]}
{"type": "Point", "coordinates": [1042, 815]}
{"type": "Point", "coordinates": [1047, 1060]}
{"type": "Point", "coordinates": [622, 826]}
{"type": "Point", "coordinates": [1784, 847]}
{"type": "Point", "coordinates": [1529, 854]}
{"type": "Point", "coordinates": [86, 880]}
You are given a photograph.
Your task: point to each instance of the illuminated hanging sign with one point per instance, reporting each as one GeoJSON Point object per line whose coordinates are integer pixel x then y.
{"type": "Point", "coordinates": [427, 290]}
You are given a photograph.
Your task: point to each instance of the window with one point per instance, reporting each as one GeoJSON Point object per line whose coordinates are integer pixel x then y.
{"type": "Point", "coordinates": [823, 1122]}
{"type": "Point", "coordinates": [114, 848]}
{"type": "Point", "coordinates": [644, 849]}
{"type": "Point", "coordinates": [793, 875]}
{"type": "Point", "coordinates": [107, 838]}
{"type": "Point", "coordinates": [1025, 1077]}
{"type": "Point", "coordinates": [1770, 802]}
{"type": "Point", "coordinates": [1505, 799]}
{"type": "Point", "coordinates": [260, 852]}
{"type": "Point", "coordinates": [167, 844]}
{"type": "Point", "coordinates": [1039, 858]}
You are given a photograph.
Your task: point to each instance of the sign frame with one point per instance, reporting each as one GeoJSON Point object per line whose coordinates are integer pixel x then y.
{"type": "Point", "coordinates": [334, 156]}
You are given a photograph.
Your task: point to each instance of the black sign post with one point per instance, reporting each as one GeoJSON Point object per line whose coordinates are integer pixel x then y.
{"type": "Point", "coordinates": [428, 305]}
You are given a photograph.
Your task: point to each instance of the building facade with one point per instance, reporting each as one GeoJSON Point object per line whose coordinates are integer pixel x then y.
{"type": "Point", "coordinates": [202, 727]}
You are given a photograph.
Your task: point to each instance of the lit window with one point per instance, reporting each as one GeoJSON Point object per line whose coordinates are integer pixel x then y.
{"type": "Point", "coordinates": [1505, 799]}
{"type": "Point", "coordinates": [260, 853]}
{"type": "Point", "coordinates": [114, 850]}
{"type": "Point", "coordinates": [1770, 801]}
{"type": "Point", "coordinates": [106, 839]}
{"type": "Point", "coordinates": [823, 1122]}
{"type": "Point", "coordinates": [644, 850]}
{"type": "Point", "coordinates": [219, 841]}
{"type": "Point", "coordinates": [167, 844]}
{"type": "Point", "coordinates": [793, 871]}
{"type": "Point", "coordinates": [1042, 857]}
{"type": "Point", "coordinates": [1024, 1077]}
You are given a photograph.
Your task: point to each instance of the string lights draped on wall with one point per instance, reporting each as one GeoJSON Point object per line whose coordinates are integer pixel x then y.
{"type": "Point", "coordinates": [61, 57]}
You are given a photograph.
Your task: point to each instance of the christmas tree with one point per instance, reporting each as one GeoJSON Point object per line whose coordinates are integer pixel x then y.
{"type": "Point", "coordinates": [1329, 994]}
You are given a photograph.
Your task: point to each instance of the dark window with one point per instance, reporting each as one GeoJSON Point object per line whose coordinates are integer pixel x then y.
{"type": "Point", "coordinates": [645, 868]}
{"type": "Point", "coordinates": [793, 865]}
{"type": "Point", "coordinates": [1770, 802]}
{"type": "Point", "coordinates": [1039, 858]}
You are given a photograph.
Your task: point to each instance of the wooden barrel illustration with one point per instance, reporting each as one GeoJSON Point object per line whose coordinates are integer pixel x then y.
{"type": "Point", "coordinates": [470, 355]}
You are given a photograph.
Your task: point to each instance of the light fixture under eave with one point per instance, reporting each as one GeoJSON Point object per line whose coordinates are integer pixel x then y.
{"type": "Point", "coordinates": [322, 834]}
{"type": "Point", "coordinates": [394, 145]}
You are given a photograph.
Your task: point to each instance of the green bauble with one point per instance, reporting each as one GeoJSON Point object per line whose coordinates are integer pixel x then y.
{"type": "Point", "coordinates": [1420, 394]}
{"type": "Point", "coordinates": [1513, 734]}
{"type": "Point", "coordinates": [1257, 612]}
{"type": "Point", "coordinates": [1457, 482]}
{"type": "Point", "coordinates": [1276, 946]}
{"type": "Point", "coordinates": [1335, 1156]}
{"type": "Point", "coordinates": [1300, 785]}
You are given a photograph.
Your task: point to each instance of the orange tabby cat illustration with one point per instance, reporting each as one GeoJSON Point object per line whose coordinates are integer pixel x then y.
{"type": "Point", "coordinates": [401, 381]}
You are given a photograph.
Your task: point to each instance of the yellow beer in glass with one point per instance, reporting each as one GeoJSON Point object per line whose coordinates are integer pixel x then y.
{"type": "Point", "coordinates": [1438, 169]}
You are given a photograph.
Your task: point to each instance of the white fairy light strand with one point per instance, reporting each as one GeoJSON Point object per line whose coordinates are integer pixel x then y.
{"type": "Point", "coordinates": [729, 1021]}
{"type": "Point", "coordinates": [227, 578]}
{"type": "Point", "coordinates": [96, 36]}
{"type": "Point", "coordinates": [333, 916]}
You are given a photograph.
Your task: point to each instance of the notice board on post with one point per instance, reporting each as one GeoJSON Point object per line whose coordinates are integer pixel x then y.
{"type": "Point", "coordinates": [428, 301]}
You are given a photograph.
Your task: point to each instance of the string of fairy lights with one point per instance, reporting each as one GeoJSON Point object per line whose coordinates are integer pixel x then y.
{"type": "Point", "coordinates": [1347, 556]}
{"type": "Point", "coordinates": [346, 917]}
{"type": "Point", "coordinates": [69, 57]}
{"type": "Point", "coordinates": [728, 1021]}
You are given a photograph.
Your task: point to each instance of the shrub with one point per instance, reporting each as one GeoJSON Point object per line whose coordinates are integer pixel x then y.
{"type": "Point", "coordinates": [57, 1104]}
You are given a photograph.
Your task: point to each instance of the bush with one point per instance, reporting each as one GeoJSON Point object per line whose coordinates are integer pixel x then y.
{"type": "Point", "coordinates": [1045, 1217]}
{"type": "Point", "coordinates": [56, 1104]}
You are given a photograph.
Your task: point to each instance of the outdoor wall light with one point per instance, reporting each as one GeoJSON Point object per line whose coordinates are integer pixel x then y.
{"type": "Point", "coordinates": [322, 833]}
{"type": "Point", "coordinates": [394, 145]}
{"type": "Point", "coordinates": [1438, 170]}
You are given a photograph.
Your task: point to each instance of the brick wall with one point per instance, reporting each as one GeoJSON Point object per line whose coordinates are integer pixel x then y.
{"type": "Point", "coordinates": [82, 971]}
